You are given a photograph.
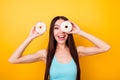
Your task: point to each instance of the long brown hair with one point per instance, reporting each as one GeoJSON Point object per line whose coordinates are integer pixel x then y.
{"type": "Point", "coordinates": [52, 48]}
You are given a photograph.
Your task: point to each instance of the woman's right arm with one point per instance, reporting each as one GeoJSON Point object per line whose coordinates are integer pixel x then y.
{"type": "Point", "coordinates": [17, 55]}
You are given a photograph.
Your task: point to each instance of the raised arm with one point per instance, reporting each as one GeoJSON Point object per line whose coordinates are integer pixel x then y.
{"type": "Point", "coordinates": [100, 45]}
{"type": "Point", "coordinates": [17, 55]}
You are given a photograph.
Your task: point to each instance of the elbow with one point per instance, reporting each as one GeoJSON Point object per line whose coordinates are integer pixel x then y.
{"type": "Point", "coordinates": [12, 61]}
{"type": "Point", "coordinates": [107, 48]}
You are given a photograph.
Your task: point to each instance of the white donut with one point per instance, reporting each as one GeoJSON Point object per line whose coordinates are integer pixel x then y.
{"type": "Point", "coordinates": [40, 27]}
{"type": "Point", "coordinates": [66, 26]}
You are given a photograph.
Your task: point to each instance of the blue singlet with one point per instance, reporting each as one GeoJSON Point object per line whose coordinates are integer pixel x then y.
{"type": "Point", "coordinates": [61, 71]}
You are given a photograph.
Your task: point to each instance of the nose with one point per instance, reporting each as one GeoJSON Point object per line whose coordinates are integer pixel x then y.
{"type": "Point", "coordinates": [60, 31]}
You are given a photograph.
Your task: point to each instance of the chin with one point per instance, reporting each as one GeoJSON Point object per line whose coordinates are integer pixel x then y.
{"type": "Point", "coordinates": [61, 42]}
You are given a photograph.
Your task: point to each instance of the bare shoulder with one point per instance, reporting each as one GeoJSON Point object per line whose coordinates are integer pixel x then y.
{"type": "Point", "coordinates": [79, 48]}
{"type": "Point", "coordinates": [42, 54]}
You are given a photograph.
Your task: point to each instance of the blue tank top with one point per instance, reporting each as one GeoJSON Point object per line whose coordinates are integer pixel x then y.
{"type": "Point", "coordinates": [60, 71]}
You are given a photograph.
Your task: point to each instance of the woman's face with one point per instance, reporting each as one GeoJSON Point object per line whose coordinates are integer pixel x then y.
{"type": "Point", "coordinates": [60, 36]}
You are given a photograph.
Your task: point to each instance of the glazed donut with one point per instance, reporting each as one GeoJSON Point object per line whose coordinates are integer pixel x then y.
{"type": "Point", "coordinates": [40, 27]}
{"type": "Point", "coordinates": [66, 26]}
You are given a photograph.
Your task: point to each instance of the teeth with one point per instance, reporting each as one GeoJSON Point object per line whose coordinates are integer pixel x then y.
{"type": "Point", "coordinates": [61, 36]}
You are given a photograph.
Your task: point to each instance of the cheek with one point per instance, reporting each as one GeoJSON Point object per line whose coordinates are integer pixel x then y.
{"type": "Point", "coordinates": [55, 33]}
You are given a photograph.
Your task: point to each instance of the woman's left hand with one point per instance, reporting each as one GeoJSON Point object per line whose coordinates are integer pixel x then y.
{"type": "Point", "coordinates": [75, 29]}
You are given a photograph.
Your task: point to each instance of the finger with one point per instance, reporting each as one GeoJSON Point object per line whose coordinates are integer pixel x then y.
{"type": "Point", "coordinates": [70, 32]}
{"type": "Point", "coordinates": [71, 22]}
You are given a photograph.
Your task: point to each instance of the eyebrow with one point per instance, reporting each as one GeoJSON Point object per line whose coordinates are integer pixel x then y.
{"type": "Point", "coordinates": [56, 25]}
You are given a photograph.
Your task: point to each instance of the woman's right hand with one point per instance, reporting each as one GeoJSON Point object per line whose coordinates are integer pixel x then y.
{"type": "Point", "coordinates": [34, 33]}
{"type": "Point", "coordinates": [17, 55]}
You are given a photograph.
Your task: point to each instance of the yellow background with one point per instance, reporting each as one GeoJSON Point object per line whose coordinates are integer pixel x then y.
{"type": "Point", "coordinates": [98, 17]}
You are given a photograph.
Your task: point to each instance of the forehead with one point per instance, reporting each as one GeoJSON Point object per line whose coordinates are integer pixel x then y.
{"type": "Point", "coordinates": [59, 21]}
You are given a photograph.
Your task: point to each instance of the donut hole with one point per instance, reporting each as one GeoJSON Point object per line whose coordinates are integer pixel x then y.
{"type": "Point", "coordinates": [40, 27]}
{"type": "Point", "coordinates": [66, 26]}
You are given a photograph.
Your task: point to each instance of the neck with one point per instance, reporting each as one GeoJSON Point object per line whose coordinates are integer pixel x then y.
{"type": "Point", "coordinates": [61, 46]}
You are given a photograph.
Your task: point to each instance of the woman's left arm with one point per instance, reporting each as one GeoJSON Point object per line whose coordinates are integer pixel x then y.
{"type": "Point", "coordinates": [100, 45]}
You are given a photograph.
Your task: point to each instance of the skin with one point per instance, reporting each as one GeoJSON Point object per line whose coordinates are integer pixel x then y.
{"type": "Point", "coordinates": [62, 52]}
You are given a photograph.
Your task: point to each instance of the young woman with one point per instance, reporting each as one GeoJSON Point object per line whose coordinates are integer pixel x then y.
{"type": "Point", "coordinates": [61, 56]}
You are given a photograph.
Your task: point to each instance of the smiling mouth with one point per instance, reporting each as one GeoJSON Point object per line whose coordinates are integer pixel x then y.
{"type": "Point", "coordinates": [62, 37]}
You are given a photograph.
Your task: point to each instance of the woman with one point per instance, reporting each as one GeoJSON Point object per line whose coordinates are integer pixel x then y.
{"type": "Point", "coordinates": [61, 56]}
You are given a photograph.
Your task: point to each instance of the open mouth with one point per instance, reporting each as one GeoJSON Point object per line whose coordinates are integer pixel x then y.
{"type": "Point", "coordinates": [61, 37]}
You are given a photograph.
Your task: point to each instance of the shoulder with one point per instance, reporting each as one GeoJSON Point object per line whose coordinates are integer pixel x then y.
{"type": "Point", "coordinates": [42, 54]}
{"type": "Point", "coordinates": [80, 50]}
